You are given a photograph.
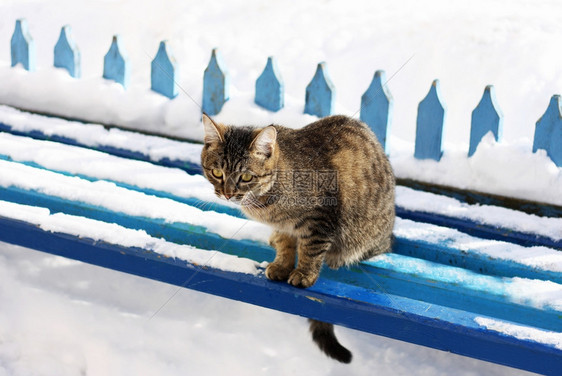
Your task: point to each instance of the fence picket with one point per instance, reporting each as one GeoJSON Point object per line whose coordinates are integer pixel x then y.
{"type": "Point", "coordinates": [320, 93]}
{"type": "Point", "coordinates": [376, 107]}
{"type": "Point", "coordinates": [430, 125]}
{"type": "Point", "coordinates": [67, 55]}
{"type": "Point", "coordinates": [548, 131]}
{"type": "Point", "coordinates": [216, 82]}
{"type": "Point", "coordinates": [486, 117]}
{"type": "Point", "coordinates": [270, 89]}
{"type": "Point", "coordinates": [164, 72]}
{"type": "Point", "coordinates": [23, 46]}
{"type": "Point", "coordinates": [116, 64]}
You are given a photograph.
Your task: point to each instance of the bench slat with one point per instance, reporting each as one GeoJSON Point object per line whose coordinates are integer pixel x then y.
{"type": "Point", "coordinates": [468, 258]}
{"type": "Point", "coordinates": [351, 306]}
{"type": "Point", "coordinates": [488, 297]}
{"type": "Point", "coordinates": [111, 143]}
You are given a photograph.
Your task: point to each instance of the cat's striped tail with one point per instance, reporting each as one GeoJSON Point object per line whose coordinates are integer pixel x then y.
{"type": "Point", "coordinates": [323, 335]}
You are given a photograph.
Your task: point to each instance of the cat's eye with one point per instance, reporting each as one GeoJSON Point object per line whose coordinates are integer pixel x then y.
{"type": "Point", "coordinates": [246, 177]}
{"type": "Point", "coordinates": [217, 173]}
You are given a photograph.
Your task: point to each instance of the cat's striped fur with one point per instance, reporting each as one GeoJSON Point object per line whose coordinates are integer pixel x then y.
{"type": "Point", "coordinates": [326, 189]}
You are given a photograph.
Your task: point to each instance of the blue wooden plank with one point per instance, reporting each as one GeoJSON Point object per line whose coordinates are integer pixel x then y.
{"type": "Point", "coordinates": [430, 125]}
{"type": "Point", "coordinates": [192, 201]}
{"type": "Point", "coordinates": [320, 93]}
{"type": "Point", "coordinates": [447, 286]}
{"type": "Point", "coordinates": [371, 311]}
{"type": "Point", "coordinates": [270, 89]}
{"type": "Point", "coordinates": [376, 108]}
{"type": "Point", "coordinates": [467, 226]}
{"type": "Point", "coordinates": [181, 233]}
{"type": "Point", "coordinates": [472, 260]}
{"type": "Point", "coordinates": [548, 131]}
{"type": "Point", "coordinates": [480, 230]}
{"type": "Point", "coordinates": [216, 84]}
{"type": "Point", "coordinates": [116, 65]}
{"type": "Point", "coordinates": [473, 197]}
{"type": "Point", "coordinates": [189, 167]}
{"type": "Point", "coordinates": [420, 249]}
{"type": "Point", "coordinates": [67, 55]}
{"type": "Point", "coordinates": [486, 117]}
{"type": "Point", "coordinates": [406, 282]}
{"type": "Point", "coordinates": [470, 227]}
{"type": "Point", "coordinates": [164, 72]}
{"type": "Point", "coordinates": [23, 46]}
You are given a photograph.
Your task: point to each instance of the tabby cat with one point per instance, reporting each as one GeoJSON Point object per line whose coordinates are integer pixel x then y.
{"type": "Point", "coordinates": [327, 190]}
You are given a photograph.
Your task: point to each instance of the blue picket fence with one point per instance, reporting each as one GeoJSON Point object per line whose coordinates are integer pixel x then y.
{"type": "Point", "coordinates": [376, 102]}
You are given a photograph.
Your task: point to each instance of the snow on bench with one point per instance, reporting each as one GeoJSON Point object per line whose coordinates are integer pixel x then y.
{"type": "Point", "coordinates": [477, 280]}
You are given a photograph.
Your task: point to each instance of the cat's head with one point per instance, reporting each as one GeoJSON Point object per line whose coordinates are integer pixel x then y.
{"type": "Point", "coordinates": [240, 162]}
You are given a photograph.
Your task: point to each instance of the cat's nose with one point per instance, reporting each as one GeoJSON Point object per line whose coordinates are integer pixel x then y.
{"type": "Point", "coordinates": [228, 195]}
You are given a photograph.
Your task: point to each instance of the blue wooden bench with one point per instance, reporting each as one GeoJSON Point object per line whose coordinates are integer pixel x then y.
{"type": "Point", "coordinates": [429, 292]}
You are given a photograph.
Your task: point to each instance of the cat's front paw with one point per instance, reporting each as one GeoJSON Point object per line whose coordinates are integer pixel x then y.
{"type": "Point", "coordinates": [300, 278]}
{"type": "Point", "coordinates": [277, 272]}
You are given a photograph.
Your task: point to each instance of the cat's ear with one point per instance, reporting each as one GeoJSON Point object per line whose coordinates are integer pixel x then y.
{"type": "Point", "coordinates": [264, 143]}
{"type": "Point", "coordinates": [214, 132]}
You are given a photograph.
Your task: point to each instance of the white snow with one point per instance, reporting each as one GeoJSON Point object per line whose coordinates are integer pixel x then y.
{"type": "Point", "coordinates": [536, 257]}
{"type": "Point", "coordinates": [529, 292]}
{"type": "Point", "coordinates": [102, 166]}
{"type": "Point", "coordinates": [95, 135]}
{"type": "Point", "coordinates": [498, 216]}
{"type": "Point", "coordinates": [119, 235]}
{"type": "Point", "coordinates": [505, 169]}
{"type": "Point", "coordinates": [522, 332]}
{"type": "Point", "coordinates": [108, 195]}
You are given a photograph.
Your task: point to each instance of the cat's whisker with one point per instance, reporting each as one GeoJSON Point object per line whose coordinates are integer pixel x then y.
{"type": "Point", "coordinates": [205, 205]}
{"type": "Point", "coordinates": [250, 201]}
{"type": "Point", "coordinates": [200, 204]}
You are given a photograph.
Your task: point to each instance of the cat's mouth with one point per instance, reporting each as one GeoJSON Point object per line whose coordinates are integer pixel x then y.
{"type": "Point", "coordinates": [245, 200]}
{"type": "Point", "coordinates": [235, 199]}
